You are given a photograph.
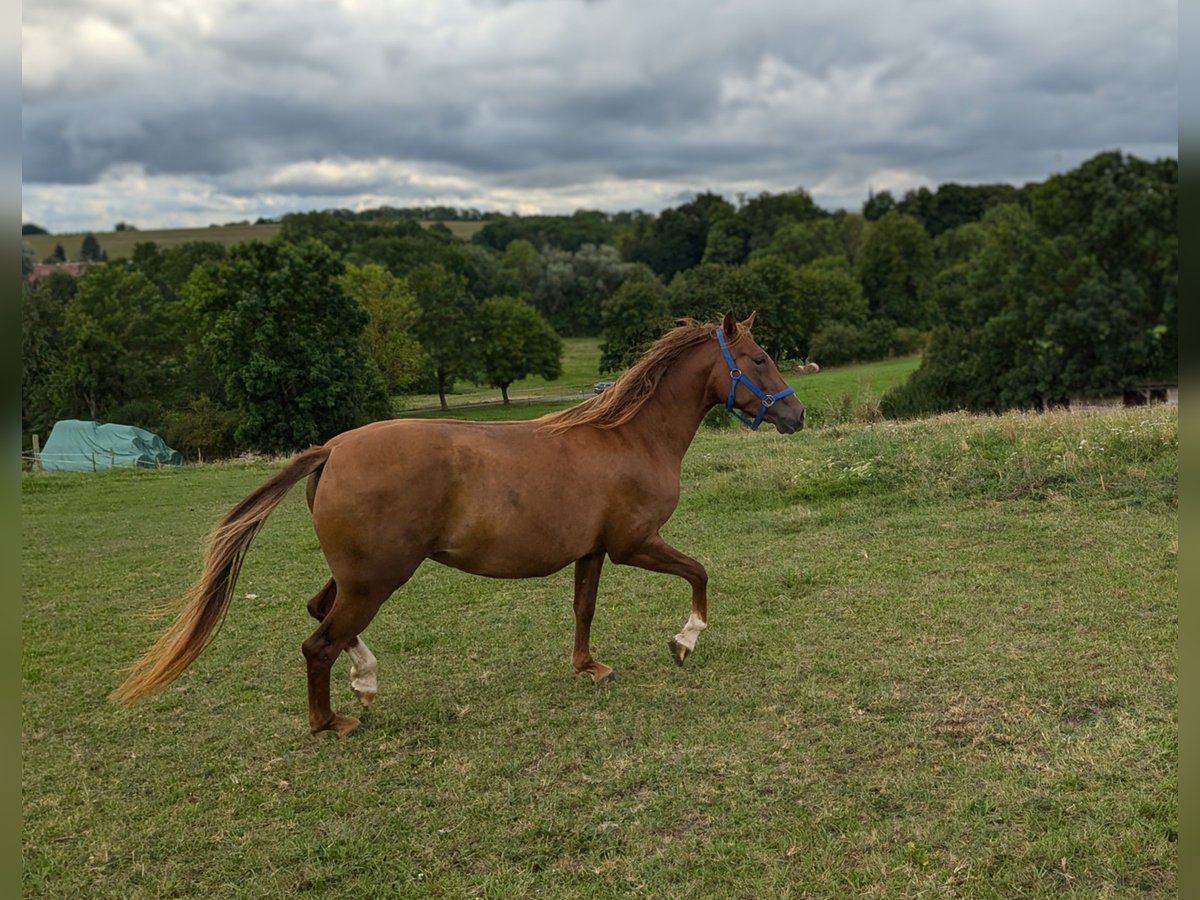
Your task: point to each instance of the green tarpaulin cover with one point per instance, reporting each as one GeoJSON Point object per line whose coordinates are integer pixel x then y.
{"type": "Point", "coordinates": [78, 446]}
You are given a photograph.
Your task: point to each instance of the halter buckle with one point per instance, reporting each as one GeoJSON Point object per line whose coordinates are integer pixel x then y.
{"type": "Point", "coordinates": [735, 374]}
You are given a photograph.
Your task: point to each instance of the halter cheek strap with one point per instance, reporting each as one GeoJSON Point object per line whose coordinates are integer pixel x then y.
{"type": "Point", "coordinates": [766, 401]}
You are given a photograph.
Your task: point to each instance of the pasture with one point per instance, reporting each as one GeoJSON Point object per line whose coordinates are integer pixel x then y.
{"type": "Point", "coordinates": [119, 244]}
{"type": "Point", "coordinates": [835, 395]}
{"type": "Point", "coordinates": [940, 663]}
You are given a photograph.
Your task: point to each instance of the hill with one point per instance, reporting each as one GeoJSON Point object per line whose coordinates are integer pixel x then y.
{"type": "Point", "coordinates": [119, 244]}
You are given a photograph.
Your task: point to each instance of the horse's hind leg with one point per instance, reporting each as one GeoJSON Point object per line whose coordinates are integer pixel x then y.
{"type": "Point", "coordinates": [353, 609]}
{"type": "Point", "coordinates": [363, 665]}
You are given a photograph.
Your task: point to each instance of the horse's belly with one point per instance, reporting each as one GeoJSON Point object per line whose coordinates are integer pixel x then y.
{"type": "Point", "coordinates": [510, 561]}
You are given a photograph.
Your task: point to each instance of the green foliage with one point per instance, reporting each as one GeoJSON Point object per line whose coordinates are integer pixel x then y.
{"type": "Point", "coordinates": [799, 243]}
{"type": "Point", "coordinates": [286, 341]}
{"type": "Point", "coordinates": [677, 239]}
{"type": "Point", "coordinates": [838, 343]}
{"type": "Point", "coordinates": [952, 205]}
{"type": "Point", "coordinates": [1123, 211]}
{"type": "Point", "coordinates": [895, 266]}
{"type": "Point", "coordinates": [170, 267]}
{"type": "Point", "coordinates": [392, 313]}
{"type": "Point", "coordinates": [763, 215]}
{"type": "Point", "coordinates": [827, 294]}
{"type": "Point", "coordinates": [520, 268]}
{"type": "Point", "coordinates": [561, 232]}
{"type": "Point", "coordinates": [91, 250]}
{"type": "Point", "coordinates": [43, 348]}
{"type": "Point", "coordinates": [446, 324]}
{"type": "Point", "coordinates": [635, 316]}
{"type": "Point", "coordinates": [203, 430]}
{"type": "Point", "coordinates": [121, 343]}
{"type": "Point", "coordinates": [515, 341]}
{"type": "Point", "coordinates": [572, 287]}
{"type": "Point", "coordinates": [766, 287]}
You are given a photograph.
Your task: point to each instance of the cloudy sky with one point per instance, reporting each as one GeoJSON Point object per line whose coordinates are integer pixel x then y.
{"type": "Point", "coordinates": [178, 112]}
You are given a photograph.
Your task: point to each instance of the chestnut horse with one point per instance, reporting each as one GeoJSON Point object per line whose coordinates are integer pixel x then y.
{"type": "Point", "coordinates": [502, 499]}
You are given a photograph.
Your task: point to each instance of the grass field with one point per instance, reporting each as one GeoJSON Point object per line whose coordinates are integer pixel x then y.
{"type": "Point", "coordinates": [119, 244]}
{"type": "Point", "coordinates": [940, 663]}
{"type": "Point", "coordinates": [832, 396]}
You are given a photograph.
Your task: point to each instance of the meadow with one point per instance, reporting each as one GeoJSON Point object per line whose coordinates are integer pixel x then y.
{"type": "Point", "coordinates": [120, 244]}
{"type": "Point", "coordinates": [834, 395]}
{"type": "Point", "coordinates": [940, 663]}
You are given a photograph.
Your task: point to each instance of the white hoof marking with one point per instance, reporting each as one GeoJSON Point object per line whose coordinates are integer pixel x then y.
{"type": "Point", "coordinates": [691, 631]}
{"type": "Point", "coordinates": [362, 668]}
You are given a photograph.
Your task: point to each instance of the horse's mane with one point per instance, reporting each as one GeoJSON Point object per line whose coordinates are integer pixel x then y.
{"type": "Point", "coordinates": [621, 402]}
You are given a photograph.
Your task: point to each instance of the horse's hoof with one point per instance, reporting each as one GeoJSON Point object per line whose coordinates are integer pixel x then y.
{"type": "Point", "coordinates": [678, 651]}
{"type": "Point", "coordinates": [345, 725]}
{"type": "Point", "coordinates": [605, 676]}
{"type": "Point", "coordinates": [365, 697]}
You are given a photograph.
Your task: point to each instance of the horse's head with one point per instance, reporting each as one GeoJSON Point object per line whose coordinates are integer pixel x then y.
{"type": "Point", "coordinates": [745, 378]}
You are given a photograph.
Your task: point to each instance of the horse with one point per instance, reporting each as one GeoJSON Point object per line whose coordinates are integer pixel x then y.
{"type": "Point", "coordinates": [519, 499]}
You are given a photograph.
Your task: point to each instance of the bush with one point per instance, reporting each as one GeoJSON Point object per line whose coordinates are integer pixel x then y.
{"type": "Point", "coordinates": [147, 414]}
{"type": "Point", "coordinates": [205, 429]}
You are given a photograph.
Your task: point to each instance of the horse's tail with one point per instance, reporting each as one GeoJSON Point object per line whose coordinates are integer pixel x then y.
{"type": "Point", "coordinates": [205, 604]}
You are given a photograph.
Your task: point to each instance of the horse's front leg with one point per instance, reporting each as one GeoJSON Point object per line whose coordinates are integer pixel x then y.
{"type": "Point", "coordinates": [587, 581]}
{"type": "Point", "coordinates": [657, 555]}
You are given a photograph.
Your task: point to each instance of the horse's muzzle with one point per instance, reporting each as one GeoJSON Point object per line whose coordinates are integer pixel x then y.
{"type": "Point", "coordinates": [790, 424]}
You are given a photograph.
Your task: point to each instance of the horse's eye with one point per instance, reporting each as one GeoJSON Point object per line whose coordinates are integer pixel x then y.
{"type": "Point", "coordinates": [761, 361]}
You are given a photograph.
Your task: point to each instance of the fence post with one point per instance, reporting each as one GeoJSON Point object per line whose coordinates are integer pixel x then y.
{"type": "Point", "coordinates": [37, 453]}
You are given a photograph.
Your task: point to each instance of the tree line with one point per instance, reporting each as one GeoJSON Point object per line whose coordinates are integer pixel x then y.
{"type": "Point", "coordinates": [1017, 296]}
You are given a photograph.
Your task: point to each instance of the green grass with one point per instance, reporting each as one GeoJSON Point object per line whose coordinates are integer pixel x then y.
{"type": "Point", "coordinates": [119, 244]}
{"type": "Point", "coordinates": [850, 393]}
{"type": "Point", "coordinates": [941, 663]}
{"type": "Point", "coordinates": [832, 396]}
{"type": "Point", "coordinates": [581, 364]}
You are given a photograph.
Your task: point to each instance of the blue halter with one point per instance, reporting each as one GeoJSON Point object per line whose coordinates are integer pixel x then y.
{"type": "Point", "coordinates": [736, 377]}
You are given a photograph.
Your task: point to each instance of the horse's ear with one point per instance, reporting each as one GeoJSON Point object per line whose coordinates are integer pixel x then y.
{"type": "Point", "coordinates": [748, 322]}
{"type": "Point", "coordinates": [729, 325]}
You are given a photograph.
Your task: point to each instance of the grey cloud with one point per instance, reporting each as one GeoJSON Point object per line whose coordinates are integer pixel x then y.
{"type": "Point", "coordinates": [507, 94]}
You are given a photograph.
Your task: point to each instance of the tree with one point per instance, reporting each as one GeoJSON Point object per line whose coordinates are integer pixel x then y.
{"type": "Point", "coordinates": [520, 268]}
{"type": "Point", "coordinates": [43, 346]}
{"type": "Point", "coordinates": [678, 237]}
{"type": "Point", "coordinates": [392, 312]}
{"type": "Point", "coordinates": [445, 326]}
{"type": "Point", "coordinates": [636, 315]}
{"type": "Point", "coordinates": [28, 259]}
{"type": "Point", "coordinates": [763, 215]}
{"type": "Point", "coordinates": [286, 340]}
{"type": "Point", "coordinates": [31, 228]}
{"type": "Point", "coordinates": [895, 265]}
{"type": "Point", "coordinates": [572, 287]}
{"type": "Point", "coordinates": [827, 293]}
{"type": "Point", "coordinates": [121, 344]}
{"type": "Point", "coordinates": [514, 341]}
{"type": "Point", "coordinates": [876, 206]}
{"type": "Point", "coordinates": [90, 249]}
{"type": "Point", "coordinates": [799, 243]}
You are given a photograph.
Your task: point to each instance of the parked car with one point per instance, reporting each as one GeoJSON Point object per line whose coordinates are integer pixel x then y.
{"type": "Point", "coordinates": [602, 386]}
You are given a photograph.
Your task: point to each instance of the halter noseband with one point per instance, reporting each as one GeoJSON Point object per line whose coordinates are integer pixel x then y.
{"type": "Point", "coordinates": [766, 401]}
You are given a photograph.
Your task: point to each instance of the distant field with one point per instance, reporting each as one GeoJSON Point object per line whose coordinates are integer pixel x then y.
{"type": "Point", "coordinates": [581, 365]}
{"type": "Point", "coordinates": [119, 244]}
{"type": "Point", "coordinates": [842, 394]}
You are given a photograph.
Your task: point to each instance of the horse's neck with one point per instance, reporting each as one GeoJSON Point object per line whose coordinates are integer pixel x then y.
{"type": "Point", "coordinates": [669, 419]}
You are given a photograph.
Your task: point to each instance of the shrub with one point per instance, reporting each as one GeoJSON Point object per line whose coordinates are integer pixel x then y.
{"type": "Point", "coordinates": [205, 429]}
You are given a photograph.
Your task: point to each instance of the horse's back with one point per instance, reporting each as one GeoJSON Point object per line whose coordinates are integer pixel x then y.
{"type": "Point", "coordinates": [499, 499]}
